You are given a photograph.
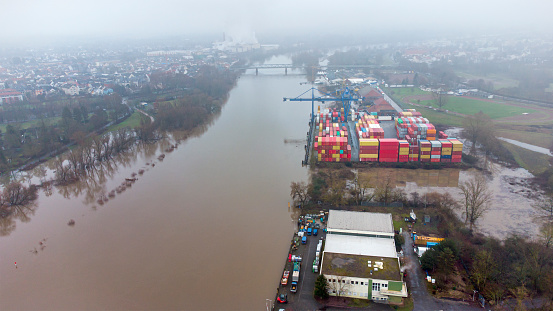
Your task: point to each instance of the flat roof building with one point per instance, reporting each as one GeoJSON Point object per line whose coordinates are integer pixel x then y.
{"type": "Point", "coordinates": [360, 258]}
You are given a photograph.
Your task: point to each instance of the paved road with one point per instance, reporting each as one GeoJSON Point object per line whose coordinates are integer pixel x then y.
{"type": "Point", "coordinates": [392, 102]}
{"type": "Point", "coordinates": [354, 141]}
{"type": "Point", "coordinates": [416, 279]}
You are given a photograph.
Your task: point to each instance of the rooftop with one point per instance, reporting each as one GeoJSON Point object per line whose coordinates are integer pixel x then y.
{"type": "Point", "coordinates": [360, 245]}
{"type": "Point", "coordinates": [360, 221]}
{"type": "Point", "coordinates": [357, 266]}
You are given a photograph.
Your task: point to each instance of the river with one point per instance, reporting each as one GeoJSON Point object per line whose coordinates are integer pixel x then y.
{"type": "Point", "coordinates": [207, 228]}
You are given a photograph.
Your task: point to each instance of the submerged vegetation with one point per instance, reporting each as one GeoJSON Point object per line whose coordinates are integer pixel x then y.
{"type": "Point", "coordinates": [89, 150]}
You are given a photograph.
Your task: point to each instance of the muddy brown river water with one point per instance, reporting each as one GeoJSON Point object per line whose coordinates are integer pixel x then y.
{"type": "Point", "coordinates": [207, 228]}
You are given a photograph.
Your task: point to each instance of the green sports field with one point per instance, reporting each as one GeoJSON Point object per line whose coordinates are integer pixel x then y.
{"type": "Point", "coordinates": [471, 106]}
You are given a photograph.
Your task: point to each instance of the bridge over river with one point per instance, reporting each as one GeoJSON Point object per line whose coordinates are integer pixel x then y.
{"type": "Point", "coordinates": [292, 66]}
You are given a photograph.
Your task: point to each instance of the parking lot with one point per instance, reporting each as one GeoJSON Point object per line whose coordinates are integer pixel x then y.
{"type": "Point", "coordinates": [303, 298]}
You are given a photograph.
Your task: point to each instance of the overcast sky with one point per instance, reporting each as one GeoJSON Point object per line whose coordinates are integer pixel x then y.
{"type": "Point", "coordinates": [31, 18]}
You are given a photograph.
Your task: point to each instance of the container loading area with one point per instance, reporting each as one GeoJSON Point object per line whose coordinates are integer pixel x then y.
{"type": "Point", "coordinates": [368, 137]}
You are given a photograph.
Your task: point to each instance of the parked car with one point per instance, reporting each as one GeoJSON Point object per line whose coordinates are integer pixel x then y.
{"type": "Point", "coordinates": [282, 298]}
{"type": "Point", "coordinates": [315, 231]}
{"type": "Point", "coordinates": [304, 240]}
{"type": "Point", "coordinates": [294, 287]}
{"type": "Point", "coordinates": [285, 276]}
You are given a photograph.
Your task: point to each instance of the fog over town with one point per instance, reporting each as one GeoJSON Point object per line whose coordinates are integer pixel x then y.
{"type": "Point", "coordinates": [139, 19]}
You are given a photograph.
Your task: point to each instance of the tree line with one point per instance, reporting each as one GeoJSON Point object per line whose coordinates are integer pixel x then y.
{"type": "Point", "coordinates": [92, 151]}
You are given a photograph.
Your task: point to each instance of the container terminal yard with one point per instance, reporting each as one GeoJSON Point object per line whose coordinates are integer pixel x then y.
{"type": "Point", "coordinates": [382, 133]}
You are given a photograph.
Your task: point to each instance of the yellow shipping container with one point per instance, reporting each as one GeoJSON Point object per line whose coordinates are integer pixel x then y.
{"type": "Point", "coordinates": [426, 149]}
{"type": "Point", "coordinates": [404, 152]}
{"type": "Point", "coordinates": [336, 155]}
{"type": "Point", "coordinates": [446, 150]}
{"type": "Point", "coordinates": [368, 142]}
{"type": "Point", "coordinates": [335, 147]}
{"type": "Point", "coordinates": [425, 156]}
{"type": "Point", "coordinates": [369, 155]}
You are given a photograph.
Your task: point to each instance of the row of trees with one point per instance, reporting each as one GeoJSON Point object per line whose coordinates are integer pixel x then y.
{"type": "Point", "coordinates": [20, 145]}
{"type": "Point", "coordinates": [330, 189]}
{"type": "Point", "coordinates": [92, 150]}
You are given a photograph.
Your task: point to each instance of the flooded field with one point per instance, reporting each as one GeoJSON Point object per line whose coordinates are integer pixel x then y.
{"type": "Point", "coordinates": [510, 212]}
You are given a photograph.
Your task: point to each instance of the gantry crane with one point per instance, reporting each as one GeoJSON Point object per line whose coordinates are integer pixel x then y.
{"type": "Point", "coordinates": [346, 96]}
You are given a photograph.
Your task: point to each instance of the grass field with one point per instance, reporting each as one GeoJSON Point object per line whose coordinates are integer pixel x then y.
{"type": "Point", "coordinates": [437, 117]}
{"type": "Point", "coordinates": [25, 125]}
{"type": "Point", "coordinates": [534, 138]}
{"type": "Point", "coordinates": [470, 106]}
{"type": "Point", "coordinates": [499, 81]}
{"type": "Point", "coordinates": [131, 122]}
{"type": "Point", "coordinates": [534, 162]}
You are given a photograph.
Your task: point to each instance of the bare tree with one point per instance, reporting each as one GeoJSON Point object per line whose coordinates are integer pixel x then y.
{"type": "Point", "coordinates": [361, 189]}
{"type": "Point", "coordinates": [387, 192]}
{"type": "Point", "coordinates": [338, 285]}
{"type": "Point", "coordinates": [298, 192]}
{"type": "Point", "coordinates": [63, 172]}
{"type": "Point", "coordinates": [546, 233]}
{"type": "Point", "coordinates": [476, 198]}
{"type": "Point", "coordinates": [335, 192]}
{"type": "Point", "coordinates": [415, 199]}
{"type": "Point", "coordinates": [477, 128]}
{"type": "Point", "coordinates": [440, 98]}
{"type": "Point", "coordinates": [17, 194]}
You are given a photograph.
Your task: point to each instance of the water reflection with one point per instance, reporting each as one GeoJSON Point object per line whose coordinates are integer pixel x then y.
{"type": "Point", "coordinates": [22, 213]}
{"type": "Point", "coordinates": [92, 184]}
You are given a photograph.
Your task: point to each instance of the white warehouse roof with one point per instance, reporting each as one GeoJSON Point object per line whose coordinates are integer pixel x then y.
{"type": "Point", "coordinates": [360, 221]}
{"type": "Point", "coordinates": [359, 245]}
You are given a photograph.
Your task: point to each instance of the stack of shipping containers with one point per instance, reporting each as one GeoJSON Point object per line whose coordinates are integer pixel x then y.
{"type": "Point", "coordinates": [446, 150]}
{"type": "Point", "coordinates": [425, 148]}
{"type": "Point", "coordinates": [456, 151]}
{"type": "Point", "coordinates": [389, 150]}
{"type": "Point", "coordinates": [331, 140]}
{"type": "Point", "coordinates": [430, 132]}
{"type": "Point", "coordinates": [368, 127]}
{"type": "Point", "coordinates": [368, 150]}
{"type": "Point", "coordinates": [417, 139]}
{"type": "Point", "coordinates": [403, 151]}
{"type": "Point", "coordinates": [413, 153]}
{"type": "Point", "coordinates": [436, 151]}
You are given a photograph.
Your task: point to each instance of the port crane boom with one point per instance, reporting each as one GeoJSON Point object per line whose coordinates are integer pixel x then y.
{"type": "Point", "coordinates": [346, 96]}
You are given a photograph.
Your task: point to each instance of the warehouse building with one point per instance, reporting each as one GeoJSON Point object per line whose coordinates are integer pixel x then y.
{"type": "Point", "coordinates": [360, 259]}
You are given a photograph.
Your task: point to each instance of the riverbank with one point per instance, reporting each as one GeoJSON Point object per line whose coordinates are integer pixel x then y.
{"type": "Point", "coordinates": [211, 189]}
